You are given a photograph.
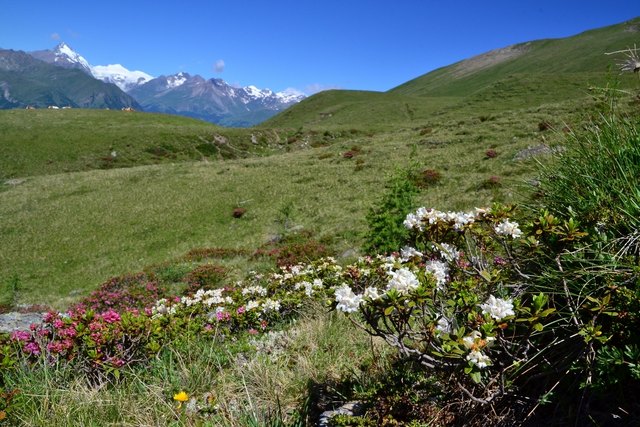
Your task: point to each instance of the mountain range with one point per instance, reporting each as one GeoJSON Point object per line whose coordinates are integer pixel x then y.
{"type": "Point", "coordinates": [28, 81]}
{"type": "Point", "coordinates": [63, 77]}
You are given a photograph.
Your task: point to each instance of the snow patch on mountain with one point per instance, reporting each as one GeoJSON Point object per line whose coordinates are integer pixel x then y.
{"type": "Point", "coordinates": [63, 52]}
{"type": "Point", "coordinates": [290, 95]}
{"type": "Point", "coordinates": [176, 80]}
{"type": "Point", "coordinates": [287, 96]}
{"type": "Point", "coordinates": [120, 76]}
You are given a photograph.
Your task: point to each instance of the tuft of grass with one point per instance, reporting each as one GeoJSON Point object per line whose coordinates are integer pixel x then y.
{"type": "Point", "coordinates": [596, 176]}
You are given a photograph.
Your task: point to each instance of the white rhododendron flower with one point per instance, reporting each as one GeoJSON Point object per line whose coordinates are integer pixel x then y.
{"type": "Point", "coordinates": [252, 304]}
{"type": "Point", "coordinates": [408, 253]}
{"type": "Point", "coordinates": [508, 228]}
{"type": "Point", "coordinates": [270, 305]}
{"type": "Point", "coordinates": [433, 216]}
{"type": "Point", "coordinates": [403, 281]}
{"type": "Point", "coordinates": [255, 290]}
{"type": "Point", "coordinates": [460, 219]}
{"type": "Point", "coordinates": [449, 252]}
{"type": "Point", "coordinates": [346, 299]}
{"type": "Point", "coordinates": [413, 221]}
{"type": "Point", "coordinates": [479, 359]}
{"type": "Point", "coordinates": [498, 308]}
{"type": "Point", "coordinates": [440, 272]}
{"type": "Point", "coordinates": [444, 325]}
{"type": "Point", "coordinates": [372, 293]}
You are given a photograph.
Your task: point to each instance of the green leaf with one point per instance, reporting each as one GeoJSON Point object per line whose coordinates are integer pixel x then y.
{"type": "Point", "coordinates": [547, 312]}
{"type": "Point", "coordinates": [485, 275]}
{"type": "Point", "coordinates": [388, 310]}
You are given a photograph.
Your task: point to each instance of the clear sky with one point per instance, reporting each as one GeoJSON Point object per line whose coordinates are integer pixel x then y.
{"type": "Point", "coordinates": [302, 44]}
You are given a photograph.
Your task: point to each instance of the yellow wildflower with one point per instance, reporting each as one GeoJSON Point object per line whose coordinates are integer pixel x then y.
{"type": "Point", "coordinates": [181, 397]}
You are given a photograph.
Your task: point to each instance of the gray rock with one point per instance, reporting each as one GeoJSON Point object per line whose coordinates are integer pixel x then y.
{"type": "Point", "coordinates": [353, 409]}
{"type": "Point", "coordinates": [15, 321]}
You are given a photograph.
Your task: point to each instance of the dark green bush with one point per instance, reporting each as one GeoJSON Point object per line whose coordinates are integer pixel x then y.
{"type": "Point", "coordinates": [386, 233]}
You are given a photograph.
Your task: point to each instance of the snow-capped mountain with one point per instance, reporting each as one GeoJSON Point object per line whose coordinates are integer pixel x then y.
{"type": "Point", "coordinates": [120, 76]}
{"type": "Point", "coordinates": [28, 81]}
{"type": "Point", "coordinates": [212, 100]}
{"type": "Point", "coordinates": [63, 56]}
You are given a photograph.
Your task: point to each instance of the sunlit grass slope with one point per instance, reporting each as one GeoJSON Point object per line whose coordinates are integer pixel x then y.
{"type": "Point", "coordinates": [582, 53]}
{"type": "Point", "coordinates": [40, 142]}
{"type": "Point", "coordinates": [523, 76]}
{"type": "Point", "coordinates": [64, 234]}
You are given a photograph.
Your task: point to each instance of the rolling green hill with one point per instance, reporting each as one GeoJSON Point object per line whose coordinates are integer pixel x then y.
{"type": "Point", "coordinates": [43, 141]}
{"type": "Point", "coordinates": [521, 76]}
{"type": "Point", "coordinates": [571, 56]}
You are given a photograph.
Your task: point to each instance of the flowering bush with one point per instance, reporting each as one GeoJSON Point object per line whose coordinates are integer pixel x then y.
{"type": "Point", "coordinates": [98, 344]}
{"type": "Point", "coordinates": [102, 340]}
{"type": "Point", "coordinates": [133, 291]}
{"type": "Point", "coordinates": [456, 301]}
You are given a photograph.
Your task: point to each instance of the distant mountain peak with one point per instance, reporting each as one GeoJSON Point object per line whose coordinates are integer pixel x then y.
{"type": "Point", "coordinates": [120, 76]}
{"type": "Point", "coordinates": [177, 80]}
{"type": "Point", "coordinates": [64, 52]}
{"type": "Point", "coordinates": [63, 55]}
{"type": "Point", "coordinates": [212, 99]}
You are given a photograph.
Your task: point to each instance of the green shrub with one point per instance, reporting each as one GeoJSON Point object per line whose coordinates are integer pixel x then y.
{"type": "Point", "coordinates": [385, 232]}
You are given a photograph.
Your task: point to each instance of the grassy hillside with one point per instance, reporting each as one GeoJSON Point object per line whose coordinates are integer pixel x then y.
{"type": "Point", "coordinates": [583, 53]}
{"type": "Point", "coordinates": [73, 215]}
{"type": "Point", "coordinates": [64, 234]}
{"type": "Point", "coordinates": [522, 76]}
{"type": "Point", "coordinates": [42, 141]}
{"type": "Point", "coordinates": [345, 109]}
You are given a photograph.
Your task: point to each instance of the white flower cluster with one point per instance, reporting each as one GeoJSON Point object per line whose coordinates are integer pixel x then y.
{"type": "Point", "coordinates": [403, 281]}
{"type": "Point", "coordinates": [346, 299]}
{"type": "Point", "coordinates": [205, 297]}
{"type": "Point", "coordinates": [407, 253]}
{"type": "Point", "coordinates": [449, 252]}
{"type": "Point", "coordinates": [479, 359]}
{"type": "Point", "coordinates": [508, 228]}
{"type": "Point", "coordinates": [300, 269]}
{"type": "Point", "coordinates": [440, 271]}
{"type": "Point", "coordinates": [308, 286]}
{"type": "Point", "coordinates": [251, 305]}
{"type": "Point", "coordinates": [255, 290]}
{"type": "Point", "coordinates": [433, 216]}
{"type": "Point", "coordinates": [475, 343]}
{"type": "Point", "coordinates": [162, 308]}
{"type": "Point", "coordinates": [371, 292]}
{"type": "Point", "coordinates": [498, 308]}
{"type": "Point", "coordinates": [389, 262]}
{"type": "Point", "coordinates": [270, 305]}
{"type": "Point", "coordinates": [208, 298]}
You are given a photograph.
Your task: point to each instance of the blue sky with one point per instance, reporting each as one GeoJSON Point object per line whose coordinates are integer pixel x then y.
{"type": "Point", "coordinates": [307, 45]}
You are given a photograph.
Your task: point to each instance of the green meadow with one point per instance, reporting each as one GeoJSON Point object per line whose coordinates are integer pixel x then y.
{"type": "Point", "coordinates": [65, 233]}
{"type": "Point", "coordinates": [91, 195]}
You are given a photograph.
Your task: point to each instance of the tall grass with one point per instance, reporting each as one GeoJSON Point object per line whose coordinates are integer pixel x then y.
{"type": "Point", "coordinates": [596, 178]}
{"type": "Point", "coordinates": [232, 383]}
